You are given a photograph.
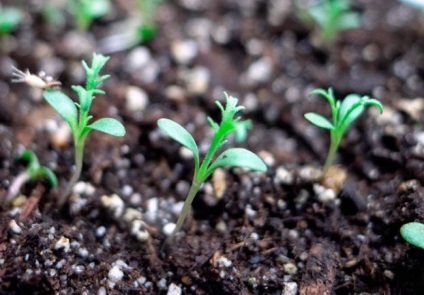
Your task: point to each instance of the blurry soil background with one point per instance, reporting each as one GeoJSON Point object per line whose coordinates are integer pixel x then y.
{"type": "Point", "coordinates": [249, 233]}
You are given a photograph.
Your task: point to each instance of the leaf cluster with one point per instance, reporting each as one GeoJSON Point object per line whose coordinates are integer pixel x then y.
{"type": "Point", "coordinates": [10, 18]}
{"type": "Point", "coordinates": [331, 16]}
{"type": "Point", "coordinates": [234, 157]}
{"type": "Point", "coordinates": [86, 11]}
{"type": "Point", "coordinates": [76, 114]}
{"type": "Point", "coordinates": [413, 233]}
{"type": "Point", "coordinates": [35, 171]}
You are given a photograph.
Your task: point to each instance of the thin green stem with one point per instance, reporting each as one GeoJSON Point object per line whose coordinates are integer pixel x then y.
{"type": "Point", "coordinates": [195, 186]}
{"type": "Point", "coordinates": [334, 145]}
{"type": "Point", "coordinates": [79, 152]}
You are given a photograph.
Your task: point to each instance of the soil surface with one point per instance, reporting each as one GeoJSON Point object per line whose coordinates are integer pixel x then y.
{"type": "Point", "coordinates": [280, 232]}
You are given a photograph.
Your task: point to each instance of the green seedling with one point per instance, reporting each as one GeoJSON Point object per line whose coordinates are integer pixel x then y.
{"type": "Point", "coordinates": [413, 233]}
{"type": "Point", "coordinates": [331, 17]}
{"type": "Point", "coordinates": [34, 171]}
{"type": "Point", "coordinates": [343, 115]}
{"type": "Point", "coordinates": [76, 114]}
{"type": "Point", "coordinates": [233, 157]}
{"type": "Point", "coordinates": [86, 11]}
{"type": "Point", "coordinates": [138, 28]}
{"type": "Point", "coordinates": [10, 18]}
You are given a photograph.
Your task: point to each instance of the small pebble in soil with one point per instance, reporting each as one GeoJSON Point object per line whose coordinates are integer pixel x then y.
{"type": "Point", "coordinates": [259, 71]}
{"type": "Point", "coordinates": [100, 231]}
{"type": "Point", "coordinates": [197, 80]}
{"type": "Point", "coordinates": [62, 243]}
{"type": "Point", "coordinates": [224, 262]}
{"type": "Point", "coordinates": [290, 268]}
{"type": "Point", "coordinates": [162, 284]}
{"type": "Point", "coordinates": [102, 291]}
{"type": "Point", "coordinates": [309, 173]}
{"type": "Point", "coordinates": [152, 208]}
{"type": "Point", "coordinates": [176, 94]}
{"type": "Point", "coordinates": [219, 182]}
{"type": "Point", "coordinates": [168, 229]}
{"type": "Point", "coordinates": [323, 194]}
{"type": "Point", "coordinates": [174, 290]}
{"type": "Point", "coordinates": [267, 157]}
{"type": "Point", "coordinates": [114, 275]}
{"type": "Point", "coordinates": [221, 227]}
{"type": "Point", "coordinates": [283, 176]}
{"type": "Point", "coordinates": [14, 227]}
{"type": "Point", "coordinates": [290, 288]}
{"type": "Point", "coordinates": [184, 51]}
{"type": "Point", "coordinates": [132, 214]}
{"type": "Point", "coordinates": [138, 231]}
{"type": "Point", "coordinates": [83, 188]}
{"type": "Point", "coordinates": [114, 203]}
{"type": "Point", "coordinates": [250, 213]}
{"type": "Point", "coordinates": [389, 274]}
{"type": "Point", "coordinates": [136, 99]}
{"type": "Point", "coordinates": [78, 269]}
{"type": "Point", "coordinates": [61, 136]}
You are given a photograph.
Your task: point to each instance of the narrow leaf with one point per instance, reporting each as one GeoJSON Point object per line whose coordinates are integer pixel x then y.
{"type": "Point", "coordinates": [413, 233]}
{"type": "Point", "coordinates": [319, 121]}
{"type": "Point", "coordinates": [109, 126]}
{"type": "Point", "coordinates": [48, 175]}
{"type": "Point", "coordinates": [63, 105]}
{"type": "Point", "coordinates": [375, 103]}
{"type": "Point", "coordinates": [181, 135]}
{"type": "Point", "coordinates": [238, 157]}
{"type": "Point", "coordinates": [346, 105]}
{"type": "Point", "coordinates": [349, 20]}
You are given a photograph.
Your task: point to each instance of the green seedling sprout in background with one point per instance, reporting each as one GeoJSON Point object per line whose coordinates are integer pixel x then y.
{"type": "Point", "coordinates": [138, 28]}
{"type": "Point", "coordinates": [233, 157]}
{"type": "Point", "coordinates": [413, 233]}
{"type": "Point", "coordinates": [331, 17]}
{"type": "Point", "coordinates": [10, 18]}
{"type": "Point", "coordinates": [86, 11]}
{"type": "Point", "coordinates": [343, 115]}
{"type": "Point", "coordinates": [34, 171]}
{"type": "Point", "coordinates": [76, 114]}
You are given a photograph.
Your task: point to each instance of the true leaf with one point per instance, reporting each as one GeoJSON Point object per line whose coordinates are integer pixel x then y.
{"type": "Point", "coordinates": [48, 175]}
{"type": "Point", "coordinates": [63, 105]}
{"type": "Point", "coordinates": [181, 135]}
{"type": "Point", "coordinates": [413, 233]}
{"type": "Point", "coordinates": [109, 126]}
{"type": "Point", "coordinates": [238, 157]}
{"type": "Point", "coordinates": [319, 121]}
{"type": "Point", "coordinates": [346, 105]}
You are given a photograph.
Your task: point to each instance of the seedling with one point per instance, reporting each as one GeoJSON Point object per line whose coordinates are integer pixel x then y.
{"type": "Point", "coordinates": [76, 114]}
{"type": "Point", "coordinates": [343, 115]}
{"type": "Point", "coordinates": [34, 171]}
{"type": "Point", "coordinates": [331, 16]}
{"type": "Point", "coordinates": [9, 19]}
{"type": "Point", "coordinates": [233, 157]}
{"type": "Point", "coordinates": [413, 233]}
{"type": "Point", "coordinates": [139, 28]}
{"type": "Point", "coordinates": [86, 11]}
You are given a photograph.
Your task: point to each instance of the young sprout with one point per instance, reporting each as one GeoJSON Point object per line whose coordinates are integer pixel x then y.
{"type": "Point", "coordinates": [413, 233]}
{"type": "Point", "coordinates": [77, 114]}
{"type": "Point", "coordinates": [233, 157]}
{"type": "Point", "coordinates": [343, 114]}
{"type": "Point", "coordinates": [331, 16]}
{"type": "Point", "coordinates": [138, 28]}
{"type": "Point", "coordinates": [9, 19]}
{"type": "Point", "coordinates": [34, 171]}
{"type": "Point", "coordinates": [86, 11]}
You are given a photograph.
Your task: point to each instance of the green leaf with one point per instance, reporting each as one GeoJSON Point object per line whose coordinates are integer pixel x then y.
{"type": "Point", "coordinates": [9, 18]}
{"type": "Point", "coordinates": [413, 233]}
{"type": "Point", "coordinates": [319, 121]}
{"type": "Point", "coordinates": [181, 135]}
{"type": "Point", "coordinates": [349, 20]}
{"type": "Point", "coordinates": [347, 104]}
{"type": "Point", "coordinates": [373, 102]}
{"type": "Point", "coordinates": [109, 126]}
{"type": "Point", "coordinates": [63, 105]}
{"type": "Point", "coordinates": [31, 158]}
{"type": "Point", "coordinates": [48, 175]}
{"type": "Point", "coordinates": [238, 157]}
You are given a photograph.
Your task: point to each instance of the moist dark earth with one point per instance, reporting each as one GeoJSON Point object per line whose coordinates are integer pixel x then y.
{"type": "Point", "coordinates": [279, 232]}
